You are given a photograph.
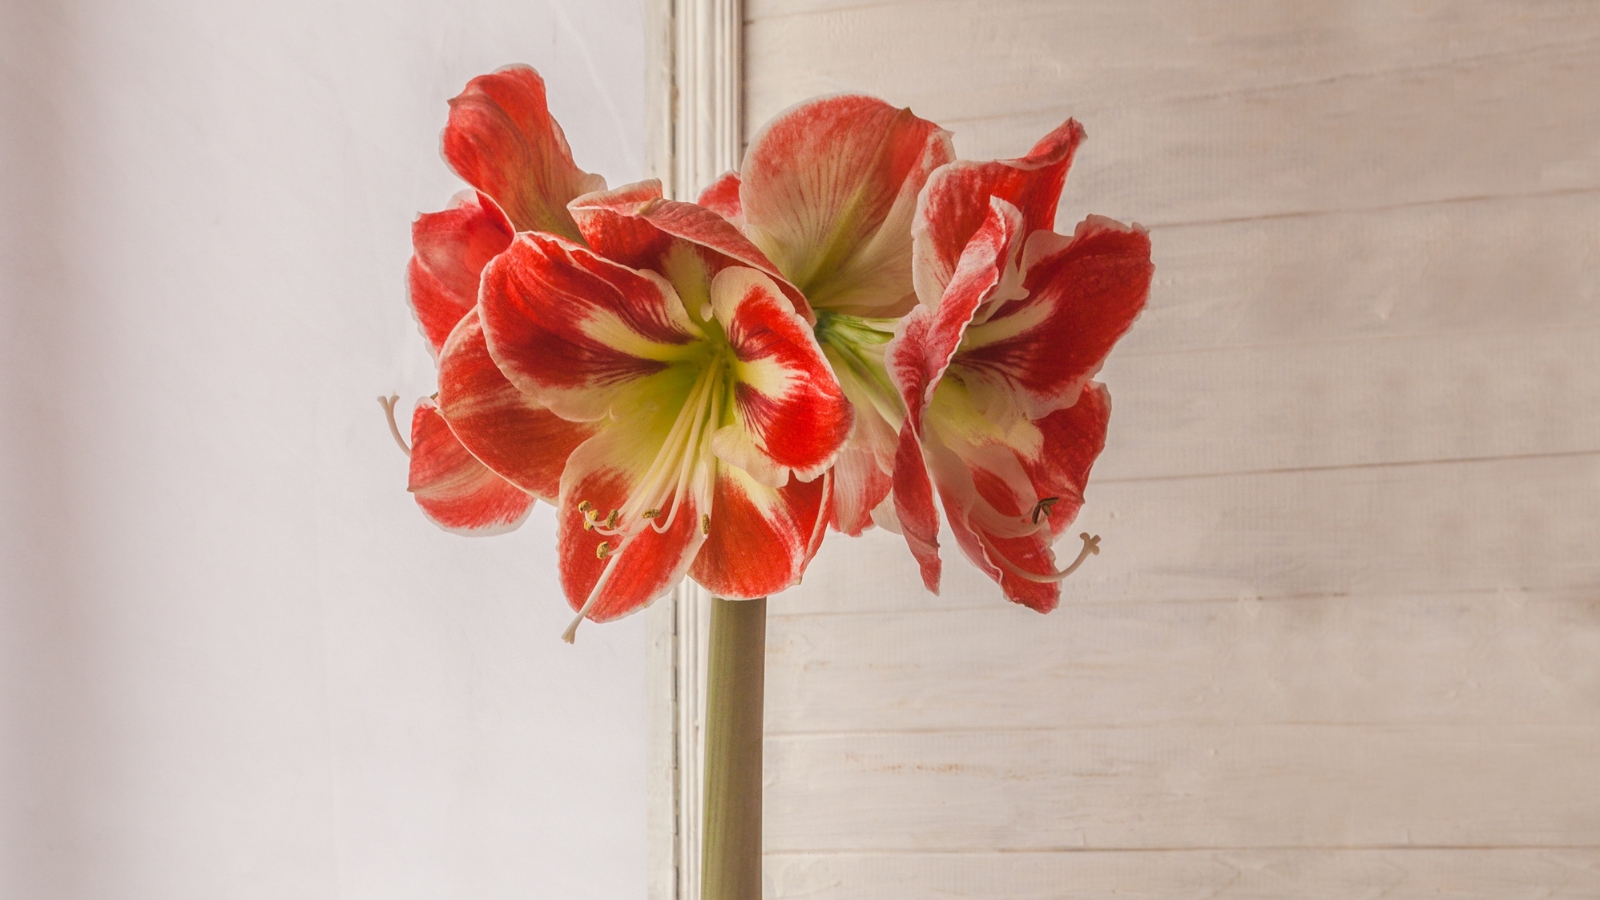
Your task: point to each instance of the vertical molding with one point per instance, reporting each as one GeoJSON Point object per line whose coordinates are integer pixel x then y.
{"type": "Point", "coordinates": [694, 129]}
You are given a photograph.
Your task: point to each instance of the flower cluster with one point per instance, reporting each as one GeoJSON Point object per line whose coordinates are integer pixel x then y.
{"type": "Point", "coordinates": [855, 328]}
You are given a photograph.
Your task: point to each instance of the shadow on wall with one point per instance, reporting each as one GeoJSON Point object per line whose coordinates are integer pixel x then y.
{"type": "Point", "coordinates": [46, 633]}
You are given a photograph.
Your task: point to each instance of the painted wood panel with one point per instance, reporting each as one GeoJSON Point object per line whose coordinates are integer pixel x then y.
{"type": "Point", "coordinates": [1343, 638]}
{"type": "Point", "coordinates": [1209, 147]}
{"type": "Point", "coordinates": [1487, 526]}
{"type": "Point", "coordinates": [1470, 266]}
{"type": "Point", "coordinates": [1470, 658]}
{"type": "Point", "coordinates": [1398, 874]}
{"type": "Point", "coordinates": [1235, 786]}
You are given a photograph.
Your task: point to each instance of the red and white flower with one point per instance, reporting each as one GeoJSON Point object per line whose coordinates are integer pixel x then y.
{"type": "Point", "coordinates": [715, 415]}
{"type": "Point", "coordinates": [1003, 420]}
{"type": "Point", "coordinates": [639, 362]}
{"type": "Point", "coordinates": [828, 191]}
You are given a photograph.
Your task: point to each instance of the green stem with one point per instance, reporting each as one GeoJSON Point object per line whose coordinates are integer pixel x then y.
{"type": "Point", "coordinates": [730, 867]}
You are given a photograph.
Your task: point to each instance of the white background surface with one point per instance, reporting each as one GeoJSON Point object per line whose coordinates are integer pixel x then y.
{"type": "Point", "coordinates": [235, 661]}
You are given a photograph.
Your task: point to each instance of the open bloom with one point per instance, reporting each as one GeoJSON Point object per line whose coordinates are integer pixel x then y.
{"type": "Point", "coordinates": [482, 451]}
{"type": "Point", "coordinates": [828, 191]}
{"type": "Point", "coordinates": [1003, 420]}
{"type": "Point", "coordinates": [714, 413]}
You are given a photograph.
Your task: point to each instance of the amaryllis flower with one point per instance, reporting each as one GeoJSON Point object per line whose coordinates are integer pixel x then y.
{"type": "Point", "coordinates": [1003, 420]}
{"type": "Point", "coordinates": [714, 412]}
{"type": "Point", "coordinates": [482, 451]}
{"type": "Point", "coordinates": [828, 191]}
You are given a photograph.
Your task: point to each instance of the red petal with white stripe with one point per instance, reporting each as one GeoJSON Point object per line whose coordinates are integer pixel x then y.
{"type": "Point", "coordinates": [689, 244]}
{"type": "Point", "coordinates": [503, 427]}
{"type": "Point", "coordinates": [828, 191]}
{"type": "Point", "coordinates": [454, 490]}
{"type": "Point", "coordinates": [502, 140]}
{"type": "Point", "coordinates": [578, 332]}
{"type": "Point", "coordinates": [955, 203]}
{"type": "Point", "coordinates": [761, 537]}
{"type": "Point", "coordinates": [1083, 293]}
{"type": "Point", "coordinates": [601, 476]}
{"type": "Point", "coordinates": [790, 413]}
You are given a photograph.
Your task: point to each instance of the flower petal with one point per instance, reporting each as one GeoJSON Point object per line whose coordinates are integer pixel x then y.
{"type": "Point", "coordinates": [633, 225]}
{"type": "Point", "coordinates": [1033, 355]}
{"type": "Point", "coordinates": [929, 337]}
{"type": "Point", "coordinates": [1070, 440]}
{"type": "Point", "coordinates": [503, 427]}
{"type": "Point", "coordinates": [451, 249]}
{"type": "Point", "coordinates": [722, 198]}
{"type": "Point", "coordinates": [828, 190]}
{"type": "Point", "coordinates": [790, 413]}
{"type": "Point", "coordinates": [761, 537]}
{"type": "Point", "coordinates": [502, 141]}
{"type": "Point", "coordinates": [989, 500]}
{"type": "Point", "coordinates": [603, 473]}
{"type": "Point", "coordinates": [863, 472]}
{"type": "Point", "coordinates": [454, 490]}
{"type": "Point", "coordinates": [955, 202]}
{"type": "Point", "coordinates": [577, 331]}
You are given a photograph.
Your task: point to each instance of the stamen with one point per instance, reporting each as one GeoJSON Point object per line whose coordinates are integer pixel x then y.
{"type": "Point", "coordinates": [394, 430]}
{"type": "Point", "coordinates": [571, 633]}
{"type": "Point", "coordinates": [705, 523]}
{"type": "Point", "coordinates": [604, 550]}
{"type": "Point", "coordinates": [650, 513]}
{"type": "Point", "coordinates": [1042, 508]}
{"type": "Point", "coordinates": [1091, 546]}
{"type": "Point", "coordinates": [584, 506]}
{"type": "Point", "coordinates": [611, 520]}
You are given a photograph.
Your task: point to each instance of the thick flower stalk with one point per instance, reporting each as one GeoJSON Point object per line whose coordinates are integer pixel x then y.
{"type": "Point", "coordinates": [995, 366]}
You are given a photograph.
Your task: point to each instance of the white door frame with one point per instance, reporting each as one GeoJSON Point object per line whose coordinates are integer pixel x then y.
{"type": "Point", "coordinates": [695, 91]}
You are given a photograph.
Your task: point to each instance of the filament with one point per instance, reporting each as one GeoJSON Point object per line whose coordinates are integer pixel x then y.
{"type": "Point", "coordinates": [1091, 546]}
{"type": "Point", "coordinates": [394, 430]}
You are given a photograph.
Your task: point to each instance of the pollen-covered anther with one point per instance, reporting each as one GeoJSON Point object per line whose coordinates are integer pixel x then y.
{"type": "Point", "coordinates": [584, 506]}
{"type": "Point", "coordinates": [611, 520]}
{"type": "Point", "coordinates": [705, 523]}
{"type": "Point", "coordinates": [651, 513]}
{"type": "Point", "coordinates": [1043, 507]}
{"type": "Point", "coordinates": [604, 550]}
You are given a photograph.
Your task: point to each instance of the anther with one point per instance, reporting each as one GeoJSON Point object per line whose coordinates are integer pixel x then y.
{"type": "Point", "coordinates": [1042, 508]}
{"type": "Point", "coordinates": [584, 506]}
{"type": "Point", "coordinates": [651, 513]}
{"type": "Point", "coordinates": [611, 520]}
{"type": "Point", "coordinates": [705, 523]}
{"type": "Point", "coordinates": [604, 550]}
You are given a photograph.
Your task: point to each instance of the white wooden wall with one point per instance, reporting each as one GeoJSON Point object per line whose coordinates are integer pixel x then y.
{"type": "Point", "coordinates": [1344, 637]}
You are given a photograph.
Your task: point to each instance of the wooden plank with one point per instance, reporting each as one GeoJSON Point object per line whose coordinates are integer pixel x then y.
{"type": "Point", "coordinates": [1522, 524]}
{"type": "Point", "coordinates": [1014, 58]}
{"type": "Point", "coordinates": [1366, 402]}
{"type": "Point", "coordinates": [1225, 787]}
{"type": "Point", "coordinates": [1472, 659]}
{"type": "Point", "coordinates": [1403, 874]}
{"type": "Point", "coordinates": [1482, 265]}
{"type": "Point", "coordinates": [1219, 150]}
